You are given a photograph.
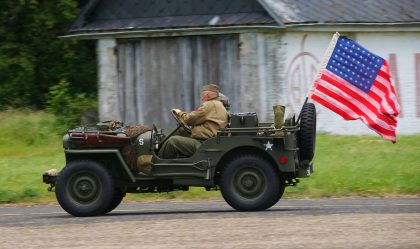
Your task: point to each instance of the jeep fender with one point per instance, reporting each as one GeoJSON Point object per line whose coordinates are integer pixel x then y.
{"type": "Point", "coordinates": [118, 168]}
{"type": "Point", "coordinates": [271, 156]}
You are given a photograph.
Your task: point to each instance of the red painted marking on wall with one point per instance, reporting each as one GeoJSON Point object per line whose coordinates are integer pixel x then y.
{"type": "Point", "coordinates": [396, 79]}
{"type": "Point", "coordinates": [299, 75]}
{"type": "Point", "coordinates": [417, 68]}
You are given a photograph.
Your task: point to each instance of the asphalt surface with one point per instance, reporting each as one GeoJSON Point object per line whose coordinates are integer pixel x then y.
{"type": "Point", "coordinates": [304, 223]}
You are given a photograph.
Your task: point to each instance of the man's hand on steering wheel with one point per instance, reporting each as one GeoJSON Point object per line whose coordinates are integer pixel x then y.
{"type": "Point", "coordinates": [176, 114]}
{"type": "Point", "coordinates": [176, 111]}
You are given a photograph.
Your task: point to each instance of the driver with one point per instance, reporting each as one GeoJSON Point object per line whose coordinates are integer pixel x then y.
{"type": "Point", "coordinates": [205, 121]}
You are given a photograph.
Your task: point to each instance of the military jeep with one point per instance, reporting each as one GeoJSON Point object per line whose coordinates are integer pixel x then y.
{"type": "Point", "coordinates": [249, 161]}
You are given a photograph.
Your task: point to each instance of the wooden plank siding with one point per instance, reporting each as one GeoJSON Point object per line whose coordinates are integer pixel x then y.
{"type": "Point", "coordinates": [158, 74]}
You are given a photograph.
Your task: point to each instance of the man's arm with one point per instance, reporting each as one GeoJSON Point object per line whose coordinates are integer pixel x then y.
{"type": "Point", "coordinates": [198, 116]}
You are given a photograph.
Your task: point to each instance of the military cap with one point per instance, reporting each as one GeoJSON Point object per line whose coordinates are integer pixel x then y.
{"type": "Point", "coordinates": [211, 87]}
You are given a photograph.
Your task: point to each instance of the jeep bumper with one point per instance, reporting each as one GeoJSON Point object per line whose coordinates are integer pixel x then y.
{"type": "Point", "coordinates": [50, 176]}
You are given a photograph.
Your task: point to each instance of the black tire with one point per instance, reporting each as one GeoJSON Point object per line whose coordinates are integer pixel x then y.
{"type": "Point", "coordinates": [250, 183]}
{"type": "Point", "coordinates": [279, 194]}
{"type": "Point", "coordinates": [116, 200]}
{"type": "Point", "coordinates": [307, 132]}
{"type": "Point", "coordinates": [85, 188]}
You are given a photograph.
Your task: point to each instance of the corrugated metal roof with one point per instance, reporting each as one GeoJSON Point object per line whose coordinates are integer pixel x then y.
{"type": "Point", "coordinates": [343, 11]}
{"type": "Point", "coordinates": [100, 15]}
{"type": "Point", "coordinates": [117, 15]}
{"type": "Point", "coordinates": [179, 21]}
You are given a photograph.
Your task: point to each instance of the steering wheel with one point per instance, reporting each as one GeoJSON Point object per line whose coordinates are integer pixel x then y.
{"type": "Point", "coordinates": [180, 122]}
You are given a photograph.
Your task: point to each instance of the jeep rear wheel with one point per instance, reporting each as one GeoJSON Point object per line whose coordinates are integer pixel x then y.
{"type": "Point", "coordinates": [250, 183]}
{"type": "Point", "coordinates": [85, 188]}
{"type": "Point", "coordinates": [307, 132]}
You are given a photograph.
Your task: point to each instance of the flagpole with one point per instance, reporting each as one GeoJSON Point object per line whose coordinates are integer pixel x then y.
{"type": "Point", "coordinates": [326, 57]}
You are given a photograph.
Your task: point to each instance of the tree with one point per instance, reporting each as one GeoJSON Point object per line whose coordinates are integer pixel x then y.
{"type": "Point", "coordinates": [33, 57]}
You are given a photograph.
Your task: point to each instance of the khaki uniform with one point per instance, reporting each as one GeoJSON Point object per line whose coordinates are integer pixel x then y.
{"type": "Point", "coordinates": [205, 122]}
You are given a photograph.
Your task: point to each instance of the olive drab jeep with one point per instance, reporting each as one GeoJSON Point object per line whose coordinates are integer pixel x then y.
{"type": "Point", "coordinates": [249, 161]}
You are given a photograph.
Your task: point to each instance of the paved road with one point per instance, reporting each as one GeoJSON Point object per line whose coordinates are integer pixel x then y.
{"type": "Point", "coordinates": [319, 223]}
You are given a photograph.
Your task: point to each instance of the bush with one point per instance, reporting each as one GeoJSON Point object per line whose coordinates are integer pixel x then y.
{"type": "Point", "coordinates": [33, 58]}
{"type": "Point", "coordinates": [69, 107]}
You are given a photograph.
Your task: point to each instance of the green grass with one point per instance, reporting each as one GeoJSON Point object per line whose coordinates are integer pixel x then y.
{"type": "Point", "coordinates": [363, 166]}
{"type": "Point", "coordinates": [29, 145]}
{"type": "Point", "coordinates": [344, 165]}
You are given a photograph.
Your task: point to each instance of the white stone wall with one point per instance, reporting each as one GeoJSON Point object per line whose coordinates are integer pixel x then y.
{"type": "Point", "coordinates": [107, 80]}
{"type": "Point", "coordinates": [305, 51]}
{"type": "Point", "coordinates": [279, 67]}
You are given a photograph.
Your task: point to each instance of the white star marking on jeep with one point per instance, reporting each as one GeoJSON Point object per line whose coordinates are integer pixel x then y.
{"type": "Point", "coordinates": [268, 146]}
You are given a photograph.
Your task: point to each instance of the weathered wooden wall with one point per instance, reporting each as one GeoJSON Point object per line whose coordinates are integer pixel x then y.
{"type": "Point", "coordinates": [158, 74]}
{"type": "Point", "coordinates": [255, 69]}
{"type": "Point", "coordinates": [262, 59]}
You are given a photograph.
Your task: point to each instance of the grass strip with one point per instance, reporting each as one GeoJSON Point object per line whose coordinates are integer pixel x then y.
{"type": "Point", "coordinates": [344, 165]}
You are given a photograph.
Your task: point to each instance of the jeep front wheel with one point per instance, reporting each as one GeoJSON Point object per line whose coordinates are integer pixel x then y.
{"type": "Point", "coordinates": [116, 200]}
{"type": "Point", "coordinates": [85, 188]}
{"type": "Point", "coordinates": [250, 183]}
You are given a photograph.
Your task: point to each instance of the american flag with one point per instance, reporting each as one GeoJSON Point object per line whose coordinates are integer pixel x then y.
{"type": "Point", "coordinates": [356, 84]}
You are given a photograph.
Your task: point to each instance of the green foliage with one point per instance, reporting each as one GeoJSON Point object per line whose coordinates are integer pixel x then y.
{"type": "Point", "coordinates": [68, 107]}
{"type": "Point", "coordinates": [33, 57]}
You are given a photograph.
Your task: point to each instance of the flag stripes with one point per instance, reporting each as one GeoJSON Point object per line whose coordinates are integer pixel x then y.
{"type": "Point", "coordinates": [357, 84]}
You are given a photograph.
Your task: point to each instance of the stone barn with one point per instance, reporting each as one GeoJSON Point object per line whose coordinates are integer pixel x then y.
{"type": "Point", "coordinates": [154, 55]}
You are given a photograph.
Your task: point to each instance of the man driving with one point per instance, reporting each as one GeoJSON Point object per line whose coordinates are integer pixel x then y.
{"type": "Point", "coordinates": [205, 121]}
